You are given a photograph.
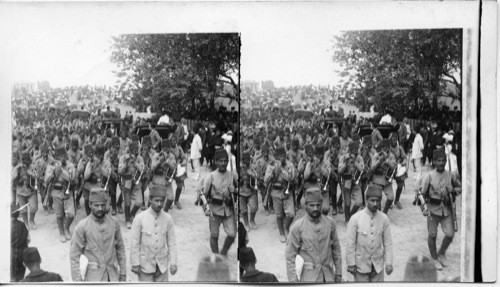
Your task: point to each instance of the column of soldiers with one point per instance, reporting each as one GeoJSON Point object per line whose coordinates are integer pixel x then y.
{"type": "Point", "coordinates": [283, 166]}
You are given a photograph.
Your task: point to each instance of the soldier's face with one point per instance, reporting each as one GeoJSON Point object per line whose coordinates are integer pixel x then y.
{"type": "Point", "coordinates": [313, 209]}
{"type": "Point", "coordinates": [157, 203]}
{"type": "Point", "coordinates": [98, 209]}
{"type": "Point", "coordinates": [372, 203]}
{"type": "Point", "coordinates": [440, 163]}
{"type": "Point", "coordinates": [222, 164]}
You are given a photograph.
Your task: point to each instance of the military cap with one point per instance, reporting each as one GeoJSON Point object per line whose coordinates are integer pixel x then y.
{"type": "Point", "coordinates": [115, 140]}
{"type": "Point", "coordinates": [60, 151]}
{"type": "Point", "coordinates": [280, 151]}
{"type": "Point", "coordinates": [367, 140]}
{"type": "Point", "coordinates": [353, 147]}
{"type": "Point", "coordinates": [394, 135]}
{"type": "Point", "coordinates": [309, 148]}
{"type": "Point", "coordinates": [133, 146]}
{"type": "Point", "coordinates": [74, 142]}
{"type": "Point", "coordinates": [165, 143]}
{"type": "Point", "coordinates": [158, 191]}
{"type": "Point", "coordinates": [336, 141]}
{"type": "Point", "coordinates": [88, 148]}
{"type": "Point", "coordinates": [36, 142]}
{"type": "Point", "coordinates": [256, 141]}
{"type": "Point", "coordinates": [373, 190]}
{"type": "Point", "coordinates": [146, 140]}
{"type": "Point", "coordinates": [247, 255]}
{"type": "Point", "coordinates": [98, 195]}
{"type": "Point", "coordinates": [31, 255]}
{"type": "Point", "coordinates": [313, 194]}
{"type": "Point", "coordinates": [264, 148]}
{"type": "Point", "coordinates": [220, 153]}
{"type": "Point", "coordinates": [281, 133]}
{"type": "Point", "coordinates": [44, 148]}
{"type": "Point", "coordinates": [100, 149]}
{"type": "Point", "coordinates": [109, 134]}
{"type": "Point", "coordinates": [420, 269]}
{"type": "Point", "coordinates": [438, 153]}
{"type": "Point", "coordinates": [319, 149]}
{"type": "Point", "coordinates": [134, 138]}
{"type": "Point", "coordinates": [25, 155]}
{"type": "Point", "coordinates": [287, 130]}
{"type": "Point", "coordinates": [295, 141]}
{"type": "Point", "coordinates": [59, 133]}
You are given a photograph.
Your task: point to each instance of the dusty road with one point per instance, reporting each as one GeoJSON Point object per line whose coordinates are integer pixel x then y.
{"type": "Point", "coordinates": [191, 227]}
{"type": "Point", "coordinates": [409, 235]}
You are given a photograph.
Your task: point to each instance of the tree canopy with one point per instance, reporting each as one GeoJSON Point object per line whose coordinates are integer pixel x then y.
{"type": "Point", "coordinates": [406, 70]}
{"type": "Point", "coordinates": [178, 72]}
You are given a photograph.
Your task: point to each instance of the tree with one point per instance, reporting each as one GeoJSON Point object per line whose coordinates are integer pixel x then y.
{"type": "Point", "coordinates": [400, 69]}
{"type": "Point", "coordinates": [177, 71]}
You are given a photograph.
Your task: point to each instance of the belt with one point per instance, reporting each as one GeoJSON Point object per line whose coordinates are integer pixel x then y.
{"type": "Point", "coordinates": [435, 200]}
{"type": "Point", "coordinates": [278, 186]}
{"type": "Point", "coordinates": [126, 176]}
{"type": "Point", "coordinates": [58, 187]}
{"type": "Point", "coordinates": [347, 176]}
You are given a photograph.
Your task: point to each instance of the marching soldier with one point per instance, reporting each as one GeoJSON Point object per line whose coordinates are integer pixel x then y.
{"type": "Point", "coordinates": [112, 156]}
{"type": "Point", "coordinates": [351, 163]}
{"type": "Point", "coordinates": [147, 154]}
{"type": "Point", "coordinates": [163, 168]}
{"type": "Point", "coordinates": [64, 176]}
{"type": "Point", "coordinates": [281, 174]}
{"type": "Point", "coordinates": [218, 188]}
{"type": "Point", "coordinates": [74, 154]}
{"type": "Point", "coordinates": [99, 238]}
{"type": "Point", "coordinates": [333, 156]}
{"type": "Point", "coordinates": [261, 164]}
{"type": "Point", "coordinates": [309, 156]}
{"type": "Point", "coordinates": [345, 140]}
{"type": "Point", "coordinates": [40, 168]}
{"type": "Point", "coordinates": [248, 191]}
{"type": "Point", "coordinates": [97, 169]}
{"type": "Point", "coordinates": [88, 155]}
{"type": "Point", "coordinates": [400, 156]}
{"type": "Point", "coordinates": [384, 169]}
{"type": "Point", "coordinates": [439, 187]}
{"type": "Point", "coordinates": [181, 161]}
{"type": "Point", "coordinates": [24, 180]}
{"type": "Point", "coordinates": [131, 168]}
{"type": "Point", "coordinates": [295, 155]}
{"type": "Point", "coordinates": [313, 170]}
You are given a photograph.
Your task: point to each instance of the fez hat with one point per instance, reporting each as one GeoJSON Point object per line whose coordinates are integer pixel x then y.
{"type": "Point", "coordinates": [336, 141]}
{"type": "Point", "coordinates": [309, 148]}
{"type": "Point", "coordinates": [98, 195]}
{"type": "Point", "coordinates": [373, 191]}
{"type": "Point", "coordinates": [313, 194]}
{"type": "Point", "coordinates": [146, 140]}
{"type": "Point", "coordinates": [115, 140]}
{"type": "Point", "coordinates": [438, 153]}
{"type": "Point", "coordinates": [280, 151]}
{"type": "Point", "coordinates": [158, 191]}
{"type": "Point", "coordinates": [247, 256]}
{"type": "Point", "coordinates": [100, 149]}
{"type": "Point", "coordinates": [220, 153]}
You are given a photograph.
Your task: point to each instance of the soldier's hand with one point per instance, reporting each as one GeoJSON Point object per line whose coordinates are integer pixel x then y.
{"type": "Point", "coordinates": [122, 278]}
{"type": "Point", "coordinates": [388, 269]}
{"type": "Point", "coordinates": [351, 269]}
{"type": "Point", "coordinates": [338, 278]}
{"type": "Point", "coordinates": [207, 211]}
{"type": "Point", "coordinates": [425, 212]}
{"type": "Point", "coordinates": [136, 269]}
{"type": "Point", "coordinates": [173, 269]}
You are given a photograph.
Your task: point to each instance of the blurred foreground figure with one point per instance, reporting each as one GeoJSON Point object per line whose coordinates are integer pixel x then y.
{"type": "Point", "coordinates": [248, 261]}
{"type": "Point", "coordinates": [32, 260]}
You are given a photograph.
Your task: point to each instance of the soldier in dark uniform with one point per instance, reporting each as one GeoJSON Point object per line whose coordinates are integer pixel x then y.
{"type": "Point", "coordinates": [181, 161]}
{"type": "Point", "coordinates": [147, 153]}
{"type": "Point", "coordinates": [349, 163]}
{"type": "Point", "coordinates": [384, 168]}
{"type": "Point", "coordinates": [113, 155]}
{"type": "Point", "coordinates": [88, 156]}
{"type": "Point", "coordinates": [280, 173]}
{"type": "Point", "coordinates": [19, 240]}
{"type": "Point", "coordinates": [131, 168]}
{"type": "Point", "coordinates": [41, 167]}
{"type": "Point", "coordinates": [163, 165]}
{"type": "Point", "coordinates": [261, 164]}
{"type": "Point", "coordinates": [333, 155]}
{"type": "Point", "coordinates": [32, 260]}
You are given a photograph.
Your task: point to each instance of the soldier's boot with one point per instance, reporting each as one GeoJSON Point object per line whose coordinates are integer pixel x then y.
{"type": "Point", "coordinates": [253, 225]}
{"type": "Point", "coordinates": [178, 191]}
{"type": "Point", "coordinates": [67, 224]}
{"type": "Point", "coordinates": [214, 244]}
{"type": "Point", "coordinates": [168, 204]}
{"type": "Point", "coordinates": [32, 221]}
{"type": "Point", "coordinates": [227, 244]}
{"type": "Point", "coordinates": [128, 223]}
{"type": "Point", "coordinates": [354, 209]}
{"type": "Point", "coordinates": [287, 222]}
{"type": "Point", "coordinates": [431, 241]}
{"type": "Point", "coordinates": [133, 212]}
{"type": "Point", "coordinates": [113, 204]}
{"type": "Point", "coordinates": [25, 220]}
{"type": "Point", "coordinates": [442, 251]}
{"type": "Point", "coordinates": [60, 225]}
{"type": "Point", "coordinates": [245, 221]}
{"type": "Point", "coordinates": [347, 211]}
{"type": "Point", "coordinates": [87, 206]}
{"type": "Point", "coordinates": [388, 204]}
{"type": "Point", "coordinates": [340, 204]}
{"type": "Point", "coordinates": [45, 210]}
{"type": "Point", "coordinates": [399, 190]}
{"type": "Point", "coordinates": [333, 196]}
{"type": "Point", "coordinates": [51, 203]}
{"type": "Point", "coordinates": [279, 220]}
{"type": "Point", "coordinates": [119, 203]}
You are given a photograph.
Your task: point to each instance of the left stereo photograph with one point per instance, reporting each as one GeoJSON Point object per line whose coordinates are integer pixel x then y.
{"type": "Point", "coordinates": [124, 158]}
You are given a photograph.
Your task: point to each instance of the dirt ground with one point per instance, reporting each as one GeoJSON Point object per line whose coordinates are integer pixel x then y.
{"type": "Point", "coordinates": [409, 235]}
{"type": "Point", "coordinates": [191, 227]}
